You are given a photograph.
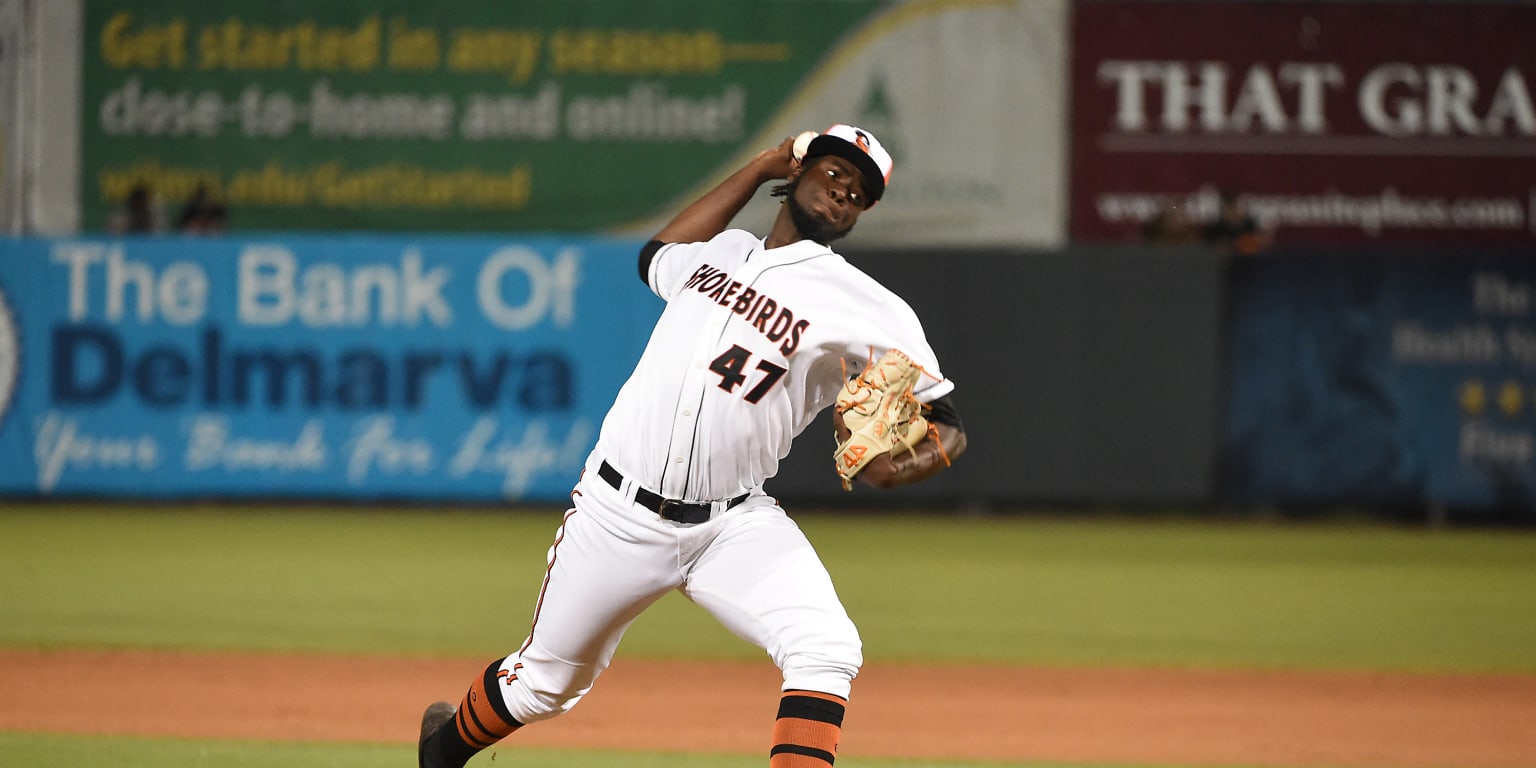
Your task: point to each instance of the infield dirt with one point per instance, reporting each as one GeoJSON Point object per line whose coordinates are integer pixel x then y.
{"type": "Point", "coordinates": [1178, 717]}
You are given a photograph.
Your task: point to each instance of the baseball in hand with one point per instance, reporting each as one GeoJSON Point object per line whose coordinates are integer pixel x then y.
{"type": "Point", "coordinates": [803, 143]}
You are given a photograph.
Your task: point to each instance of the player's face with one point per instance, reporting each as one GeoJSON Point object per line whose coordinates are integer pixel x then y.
{"type": "Point", "coordinates": [826, 199]}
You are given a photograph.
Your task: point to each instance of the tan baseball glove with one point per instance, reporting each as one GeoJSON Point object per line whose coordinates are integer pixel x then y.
{"type": "Point", "coordinates": [881, 413]}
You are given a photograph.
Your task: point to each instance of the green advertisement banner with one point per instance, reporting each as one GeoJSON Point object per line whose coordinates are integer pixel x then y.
{"type": "Point", "coordinates": [393, 115]}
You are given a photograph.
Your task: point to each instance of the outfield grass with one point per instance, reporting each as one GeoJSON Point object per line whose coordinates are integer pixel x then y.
{"type": "Point", "coordinates": [922, 589]}
{"type": "Point", "coordinates": [39, 751]}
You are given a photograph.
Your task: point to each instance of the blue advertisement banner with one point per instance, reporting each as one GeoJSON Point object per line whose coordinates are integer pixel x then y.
{"type": "Point", "coordinates": [467, 368]}
{"type": "Point", "coordinates": [1390, 379]}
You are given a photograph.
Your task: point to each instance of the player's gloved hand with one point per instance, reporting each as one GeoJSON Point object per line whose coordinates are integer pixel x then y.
{"type": "Point", "coordinates": [877, 413]}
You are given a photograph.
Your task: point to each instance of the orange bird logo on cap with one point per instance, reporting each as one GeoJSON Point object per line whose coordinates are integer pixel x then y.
{"type": "Point", "coordinates": [862, 141]}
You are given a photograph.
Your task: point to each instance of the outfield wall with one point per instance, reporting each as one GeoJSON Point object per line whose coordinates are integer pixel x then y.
{"type": "Point", "coordinates": [478, 368]}
{"type": "Point", "coordinates": [1388, 378]}
{"type": "Point", "coordinates": [1083, 375]}
{"type": "Point", "coordinates": [329, 366]}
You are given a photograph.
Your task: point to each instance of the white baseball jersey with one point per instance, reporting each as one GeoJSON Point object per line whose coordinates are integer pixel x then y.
{"type": "Point", "coordinates": [753, 343]}
{"type": "Point", "coordinates": [751, 346]}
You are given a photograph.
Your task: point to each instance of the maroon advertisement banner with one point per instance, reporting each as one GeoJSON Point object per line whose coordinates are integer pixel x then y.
{"type": "Point", "coordinates": [1338, 123]}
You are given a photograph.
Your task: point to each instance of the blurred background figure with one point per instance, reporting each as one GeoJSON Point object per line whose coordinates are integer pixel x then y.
{"type": "Point", "coordinates": [140, 213]}
{"type": "Point", "coordinates": [202, 215]}
{"type": "Point", "coordinates": [1169, 227]}
{"type": "Point", "coordinates": [1235, 230]}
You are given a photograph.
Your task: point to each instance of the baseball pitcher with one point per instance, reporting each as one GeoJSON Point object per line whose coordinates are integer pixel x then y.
{"type": "Point", "coordinates": [759, 334]}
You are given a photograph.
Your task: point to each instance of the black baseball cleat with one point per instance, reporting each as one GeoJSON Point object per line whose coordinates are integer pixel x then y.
{"type": "Point", "coordinates": [437, 715]}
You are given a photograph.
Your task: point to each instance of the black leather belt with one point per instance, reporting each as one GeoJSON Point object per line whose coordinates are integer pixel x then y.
{"type": "Point", "coordinates": [671, 509]}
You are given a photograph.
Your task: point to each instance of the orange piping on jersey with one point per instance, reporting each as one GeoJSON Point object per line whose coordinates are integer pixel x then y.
{"type": "Point", "coordinates": [554, 552]}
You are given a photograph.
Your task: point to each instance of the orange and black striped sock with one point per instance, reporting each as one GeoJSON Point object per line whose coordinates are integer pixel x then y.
{"type": "Point", "coordinates": [806, 733]}
{"type": "Point", "coordinates": [481, 720]}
